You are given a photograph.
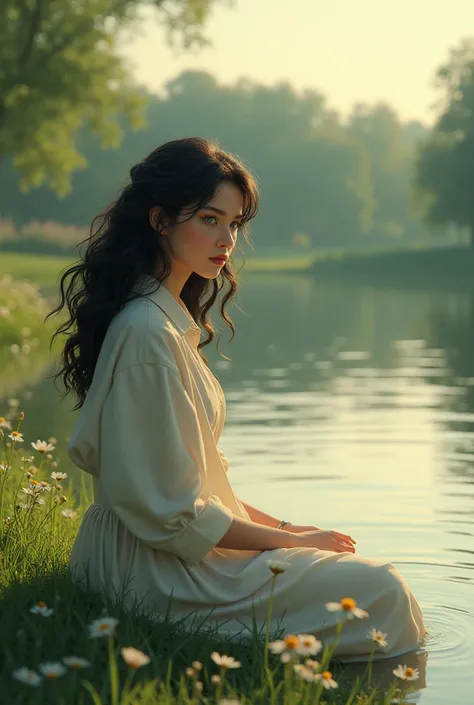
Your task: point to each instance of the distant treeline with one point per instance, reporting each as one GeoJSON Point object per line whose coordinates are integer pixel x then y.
{"type": "Point", "coordinates": [324, 182]}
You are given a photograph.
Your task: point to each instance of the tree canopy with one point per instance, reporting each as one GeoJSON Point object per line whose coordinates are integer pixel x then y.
{"type": "Point", "coordinates": [445, 163]}
{"type": "Point", "coordinates": [60, 69]}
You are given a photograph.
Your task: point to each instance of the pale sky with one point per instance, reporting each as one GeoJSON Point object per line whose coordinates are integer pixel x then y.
{"type": "Point", "coordinates": [350, 50]}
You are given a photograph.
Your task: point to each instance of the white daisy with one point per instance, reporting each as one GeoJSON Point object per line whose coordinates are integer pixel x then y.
{"type": "Point", "coordinates": [304, 672]}
{"type": "Point", "coordinates": [225, 661]}
{"type": "Point", "coordinates": [406, 673]}
{"type": "Point", "coordinates": [42, 609]}
{"type": "Point", "coordinates": [377, 636]}
{"type": "Point", "coordinates": [326, 679]}
{"type": "Point", "coordinates": [104, 626]}
{"type": "Point", "coordinates": [76, 662]}
{"type": "Point", "coordinates": [349, 606]}
{"type": "Point", "coordinates": [133, 657]}
{"type": "Point", "coordinates": [26, 676]}
{"type": "Point", "coordinates": [278, 567]}
{"type": "Point", "coordinates": [69, 513]}
{"type": "Point", "coordinates": [59, 475]}
{"type": "Point", "coordinates": [286, 647]}
{"type": "Point", "coordinates": [308, 645]}
{"type": "Point", "coordinates": [16, 437]}
{"type": "Point", "coordinates": [52, 669]}
{"type": "Point", "coordinates": [42, 446]}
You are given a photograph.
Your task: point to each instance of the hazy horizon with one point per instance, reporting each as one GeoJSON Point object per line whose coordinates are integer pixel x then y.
{"type": "Point", "coordinates": [351, 53]}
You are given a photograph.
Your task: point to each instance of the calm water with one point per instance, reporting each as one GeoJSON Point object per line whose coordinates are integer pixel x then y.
{"type": "Point", "coordinates": [351, 407]}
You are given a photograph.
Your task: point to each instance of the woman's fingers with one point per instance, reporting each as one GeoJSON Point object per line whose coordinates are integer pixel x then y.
{"type": "Point", "coordinates": [345, 536]}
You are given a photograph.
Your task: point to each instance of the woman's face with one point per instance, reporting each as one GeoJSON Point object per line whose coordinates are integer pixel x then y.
{"type": "Point", "coordinates": [208, 233]}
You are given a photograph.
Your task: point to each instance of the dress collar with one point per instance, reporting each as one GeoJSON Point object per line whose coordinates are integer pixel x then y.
{"type": "Point", "coordinates": [177, 312]}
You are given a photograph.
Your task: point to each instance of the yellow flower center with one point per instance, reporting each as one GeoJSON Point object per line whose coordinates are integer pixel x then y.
{"type": "Point", "coordinates": [348, 604]}
{"type": "Point", "coordinates": [51, 676]}
{"type": "Point", "coordinates": [291, 641]}
{"type": "Point", "coordinates": [15, 433]}
{"type": "Point", "coordinates": [104, 626]}
{"type": "Point", "coordinates": [35, 482]}
{"type": "Point", "coordinates": [41, 604]}
{"type": "Point", "coordinates": [409, 671]}
{"type": "Point", "coordinates": [2, 419]}
{"type": "Point", "coordinates": [306, 642]}
{"type": "Point", "coordinates": [327, 675]}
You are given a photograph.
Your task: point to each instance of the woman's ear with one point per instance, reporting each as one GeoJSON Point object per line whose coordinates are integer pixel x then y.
{"type": "Point", "coordinates": [154, 217]}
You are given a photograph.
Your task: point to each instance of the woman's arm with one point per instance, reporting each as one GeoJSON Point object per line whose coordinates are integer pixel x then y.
{"type": "Point", "coordinates": [260, 517]}
{"type": "Point", "coordinates": [247, 535]}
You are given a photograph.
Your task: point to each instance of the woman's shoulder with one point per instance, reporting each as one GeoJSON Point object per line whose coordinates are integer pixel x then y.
{"type": "Point", "coordinates": [142, 333]}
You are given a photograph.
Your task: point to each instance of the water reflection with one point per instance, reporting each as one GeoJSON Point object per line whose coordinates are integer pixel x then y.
{"type": "Point", "coordinates": [352, 407]}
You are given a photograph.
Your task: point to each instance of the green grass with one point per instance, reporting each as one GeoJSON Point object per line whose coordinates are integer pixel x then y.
{"type": "Point", "coordinates": [35, 545]}
{"type": "Point", "coordinates": [39, 269]}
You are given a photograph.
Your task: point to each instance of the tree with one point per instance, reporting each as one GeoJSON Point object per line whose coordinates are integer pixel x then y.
{"type": "Point", "coordinates": [59, 69]}
{"type": "Point", "coordinates": [445, 161]}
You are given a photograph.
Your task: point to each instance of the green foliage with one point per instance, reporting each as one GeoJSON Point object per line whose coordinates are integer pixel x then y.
{"type": "Point", "coordinates": [59, 69]}
{"type": "Point", "coordinates": [445, 163]}
{"type": "Point", "coordinates": [334, 181]}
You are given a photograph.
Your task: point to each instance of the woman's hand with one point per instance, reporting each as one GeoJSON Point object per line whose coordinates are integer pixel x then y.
{"type": "Point", "coordinates": [325, 540]}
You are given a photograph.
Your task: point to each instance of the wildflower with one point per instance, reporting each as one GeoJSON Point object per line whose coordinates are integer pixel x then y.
{"type": "Point", "coordinates": [4, 423]}
{"type": "Point", "coordinates": [26, 676]}
{"type": "Point", "coordinates": [52, 440]}
{"type": "Point", "coordinates": [21, 416]}
{"type": "Point", "coordinates": [377, 636]}
{"type": "Point", "coordinates": [52, 669]}
{"type": "Point", "coordinates": [4, 467]}
{"type": "Point", "coordinates": [25, 505]}
{"type": "Point", "coordinates": [45, 486]}
{"type": "Point", "coordinates": [4, 312]}
{"type": "Point", "coordinates": [216, 679]}
{"type": "Point", "coordinates": [42, 446]}
{"type": "Point", "coordinates": [61, 499]}
{"type": "Point", "coordinates": [198, 686]}
{"type": "Point", "coordinates": [227, 701]}
{"type": "Point", "coordinates": [305, 673]}
{"type": "Point", "coordinates": [15, 348]}
{"type": "Point", "coordinates": [54, 464]}
{"type": "Point", "coordinates": [26, 349]}
{"type": "Point", "coordinates": [308, 645]}
{"type": "Point", "coordinates": [406, 673]}
{"type": "Point", "coordinates": [69, 513]}
{"type": "Point", "coordinates": [326, 679]}
{"type": "Point", "coordinates": [197, 665]}
{"type": "Point", "coordinates": [42, 609]}
{"type": "Point", "coordinates": [58, 475]}
{"type": "Point", "coordinates": [348, 605]}
{"type": "Point", "coordinates": [104, 626]}
{"type": "Point", "coordinates": [49, 456]}
{"type": "Point", "coordinates": [225, 661]}
{"type": "Point", "coordinates": [287, 647]}
{"type": "Point", "coordinates": [16, 437]}
{"type": "Point", "coordinates": [278, 567]}
{"type": "Point", "coordinates": [76, 662]}
{"type": "Point", "coordinates": [133, 657]}
{"type": "Point", "coordinates": [13, 402]}
{"type": "Point", "coordinates": [190, 672]}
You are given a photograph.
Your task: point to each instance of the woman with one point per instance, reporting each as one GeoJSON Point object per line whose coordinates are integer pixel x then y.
{"type": "Point", "coordinates": [166, 529]}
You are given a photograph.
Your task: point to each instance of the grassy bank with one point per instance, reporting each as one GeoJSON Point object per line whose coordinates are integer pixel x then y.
{"type": "Point", "coordinates": [62, 644]}
{"type": "Point", "coordinates": [42, 270]}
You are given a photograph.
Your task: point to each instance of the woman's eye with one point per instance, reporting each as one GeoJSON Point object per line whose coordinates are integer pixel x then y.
{"type": "Point", "coordinates": [209, 216]}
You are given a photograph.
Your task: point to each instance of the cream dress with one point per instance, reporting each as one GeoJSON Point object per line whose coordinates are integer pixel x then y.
{"type": "Point", "coordinates": [148, 433]}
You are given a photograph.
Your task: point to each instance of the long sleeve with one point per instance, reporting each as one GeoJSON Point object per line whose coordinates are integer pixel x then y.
{"type": "Point", "coordinates": [151, 461]}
